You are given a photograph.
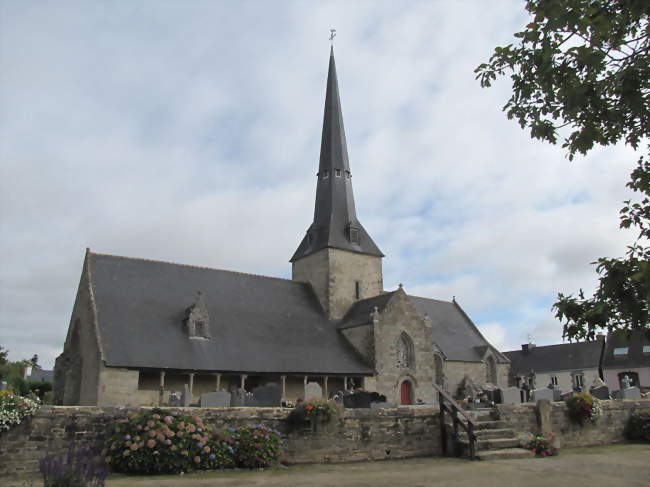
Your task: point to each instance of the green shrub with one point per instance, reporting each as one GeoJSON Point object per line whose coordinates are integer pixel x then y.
{"type": "Point", "coordinates": [256, 446]}
{"type": "Point", "coordinates": [542, 447]}
{"type": "Point", "coordinates": [320, 409]}
{"type": "Point", "coordinates": [157, 441]}
{"type": "Point", "coordinates": [638, 426]}
{"type": "Point", "coordinates": [39, 388]}
{"type": "Point", "coordinates": [582, 406]}
{"type": "Point", "coordinates": [14, 408]}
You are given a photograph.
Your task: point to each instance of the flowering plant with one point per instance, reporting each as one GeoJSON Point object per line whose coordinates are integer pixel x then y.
{"type": "Point", "coordinates": [158, 441]}
{"type": "Point", "coordinates": [313, 409]}
{"type": "Point", "coordinates": [542, 447]}
{"type": "Point", "coordinates": [582, 406]}
{"type": "Point", "coordinates": [14, 408]}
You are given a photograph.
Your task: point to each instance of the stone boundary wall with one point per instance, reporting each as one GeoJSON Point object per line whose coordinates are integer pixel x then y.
{"type": "Point", "coordinates": [359, 434]}
{"type": "Point", "coordinates": [606, 431]}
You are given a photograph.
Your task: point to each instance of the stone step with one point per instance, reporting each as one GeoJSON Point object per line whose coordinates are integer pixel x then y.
{"type": "Point", "coordinates": [487, 434]}
{"type": "Point", "coordinates": [490, 425]}
{"type": "Point", "coordinates": [492, 444]}
{"type": "Point", "coordinates": [504, 454]}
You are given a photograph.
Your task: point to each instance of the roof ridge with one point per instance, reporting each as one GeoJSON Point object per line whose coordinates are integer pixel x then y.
{"type": "Point", "coordinates": [430, 299]}
{"type": "Point", "coordinates": [588, 342]}
{"type": "Point", "coordinates": [196, 267]}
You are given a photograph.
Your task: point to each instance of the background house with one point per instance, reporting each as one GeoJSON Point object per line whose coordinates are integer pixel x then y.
{"type": "Point", "coordinates": [627, 355]}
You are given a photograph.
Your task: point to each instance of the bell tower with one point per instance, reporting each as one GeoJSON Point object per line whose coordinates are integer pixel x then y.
{"type": "Point", "coordinates": [336, 255]}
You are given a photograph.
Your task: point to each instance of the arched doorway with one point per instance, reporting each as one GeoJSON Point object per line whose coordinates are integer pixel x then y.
{"type": "Point", "coordinates": [406, 393]}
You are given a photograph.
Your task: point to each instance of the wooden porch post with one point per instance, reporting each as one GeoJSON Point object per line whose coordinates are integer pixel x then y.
{"type": "Point", "coordinates": [161, 393]}
{"type": "Point", "coordinates": [243, 381]}
{"type": "Point", "coordinates": [283, 378]}
{"type": "Point", "coordinates": [325, 388]}
{"type": "Point", "coordinates": [218, 382]}
{"type": "Point", "coordinates": [192, 385]}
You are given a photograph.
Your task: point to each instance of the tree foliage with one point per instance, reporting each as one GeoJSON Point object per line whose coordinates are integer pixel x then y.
{"type": "Point", "coordinates": [583, 65]}
{"type": "Point", "coordinates": [580, 71]}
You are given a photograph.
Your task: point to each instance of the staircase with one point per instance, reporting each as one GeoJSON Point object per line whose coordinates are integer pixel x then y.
{"type": "Point", "coordinates": [494, 438]}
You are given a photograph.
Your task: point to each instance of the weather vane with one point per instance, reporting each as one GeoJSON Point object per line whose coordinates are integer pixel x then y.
{"type": "Point", "coordinates": [332, 35]}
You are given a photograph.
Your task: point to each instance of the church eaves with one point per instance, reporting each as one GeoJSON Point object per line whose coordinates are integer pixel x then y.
{"type": "Point", "coordinates": [335, 219]}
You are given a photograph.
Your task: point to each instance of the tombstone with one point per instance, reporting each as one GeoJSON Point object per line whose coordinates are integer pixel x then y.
{"type": "Point", "coordinates": [219, 399]}
{"type": "Point", "coordinates": [601, 392]}
{"type": "Point", "coordinates": [186, 397]}
{"type": "Point", "coordinates": [238, 398]}
{"type": "Point", "coordinates": [313, 390]}
{"type": "Point", "coordinates": [174, 400]}
{"type": "Point", "coordinates": [356, 400]}
{"type": "Point", "coordinates": [598, 382]}
{"type": "Point", "coordinates": [633, 393]}
{"type": "Point", "coordinates": [3, 385]}
{"type": "Point", "coordinates": [268, 396]}
{"type": "Point", "coordinates": [510, 395]}
{"type": "Point", "coordinates": [544, 394]}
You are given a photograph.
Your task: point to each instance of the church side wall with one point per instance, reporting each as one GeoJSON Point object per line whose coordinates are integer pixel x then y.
{"type": "Point", "coordinates": [119, 387]}
{"type": "Point", "coordinates": [401, 316]}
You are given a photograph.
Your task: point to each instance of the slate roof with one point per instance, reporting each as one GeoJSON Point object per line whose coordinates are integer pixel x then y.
{"type": "Point", "coordinates": [334, 210]}
{"type": "Point", "coordinates": [361, 311]}
{"type": "Point", "coordinates": [40, 375]}
{"type": "Point", "coordinates": [258, 324]}
{"type": "Point", "coordinates": [453, 332]}
{"type": "Point", "coordinates": [564, 356]}
{"type": "Point", "coordinates": [635, 356]}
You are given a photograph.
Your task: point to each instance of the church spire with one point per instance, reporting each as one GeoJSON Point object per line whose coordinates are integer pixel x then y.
{"type": "Point", "coordinates": [335, 219]}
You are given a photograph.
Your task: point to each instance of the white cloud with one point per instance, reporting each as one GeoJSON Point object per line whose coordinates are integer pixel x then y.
{"type": "Point", "coordinates": [190, 133]}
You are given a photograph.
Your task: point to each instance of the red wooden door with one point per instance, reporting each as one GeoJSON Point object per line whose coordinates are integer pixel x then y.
{"type": "Point", "coordinates": [405, 392]}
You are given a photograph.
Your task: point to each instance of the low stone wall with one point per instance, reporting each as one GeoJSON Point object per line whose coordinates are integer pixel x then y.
{"type": "Point", "coordinates": [606, 431]}
{"type": "Point", "coordinates": [359, 434]}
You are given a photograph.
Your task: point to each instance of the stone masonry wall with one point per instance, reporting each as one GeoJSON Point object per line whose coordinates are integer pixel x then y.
{"type": "Point", "coordinates": [606, 431]}
{"type": "Point", "coordinates": [359, 434]}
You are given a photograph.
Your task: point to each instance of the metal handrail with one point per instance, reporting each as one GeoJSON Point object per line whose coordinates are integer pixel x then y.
{"type": "Point", "coordinates": [453, 410]}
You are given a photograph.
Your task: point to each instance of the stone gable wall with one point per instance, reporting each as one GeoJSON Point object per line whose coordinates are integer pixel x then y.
{"type": "Point", "coordinates": [401, 316]}
{"type": "Point", "coordinates": [359, 434]}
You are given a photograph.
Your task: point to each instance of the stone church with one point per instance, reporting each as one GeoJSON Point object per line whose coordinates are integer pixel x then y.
{"type": "Point", "coordinates": [141, 329]}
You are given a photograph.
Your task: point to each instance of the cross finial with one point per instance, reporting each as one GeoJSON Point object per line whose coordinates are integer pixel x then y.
{"type": "Point", "coordinates": [332, 35]}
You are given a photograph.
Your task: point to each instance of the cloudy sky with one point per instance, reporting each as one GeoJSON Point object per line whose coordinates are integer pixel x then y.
{"type": "Point", "coordinates": [189, 131]}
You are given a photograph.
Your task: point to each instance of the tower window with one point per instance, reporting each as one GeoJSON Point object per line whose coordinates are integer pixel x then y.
{"type": "Point", "coordinates": [338, 173]}
{"type": "Point", "coordinates": [354, 235]}
{"type": "Point", "coordinates": [357, 289]}
{"type": "Point", "coordinates": [326, 174]}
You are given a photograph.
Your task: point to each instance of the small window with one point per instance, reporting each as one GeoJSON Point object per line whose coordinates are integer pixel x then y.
{"type": "Point", "coordinates": [338, 173]}
{"type": "Point", "coordinates": [354, 235]}
{"type": "Point", "coordinates": [357, 289]}
{"type": "Point", "coordinates": [554, 380]}
{"type": "Point", "coordinates": [646, 348]}
{"type": "Point", "coordinates": [621, 351]}
{"type": "Point", "coordinates": [326, 174]}
{"type": "Point", "coordinates": [579, 381]}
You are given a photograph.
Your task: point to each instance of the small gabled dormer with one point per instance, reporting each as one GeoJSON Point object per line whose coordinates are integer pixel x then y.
{"type": "Point", "coordinates": [197, 320]}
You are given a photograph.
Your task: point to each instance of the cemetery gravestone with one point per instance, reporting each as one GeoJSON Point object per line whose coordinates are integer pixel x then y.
{"type": "Point", "coordinates": [267, 396]}
{"type": "Point", "coordinates": [601, 392]}
{"type": "Point", "coordinates": [544, 394]}
{"type": "Point", "coordinates": [510, 395]}
{"type": "Point", "coordinates": [361, 399]}
{"type": "Point", "coordinates": [633, 393]}
{"type": "Point", "coordinates": [313, 390]}
{"type": "Point", "coordinates": [220, 399]}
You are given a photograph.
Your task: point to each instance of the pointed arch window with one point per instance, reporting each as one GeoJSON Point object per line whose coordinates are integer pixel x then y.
{"type": "Point", "coordinates": [404, 353]}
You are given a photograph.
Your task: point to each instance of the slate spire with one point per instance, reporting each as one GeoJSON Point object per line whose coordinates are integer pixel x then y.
{"type": "Point", "coordinates": [335, 219]}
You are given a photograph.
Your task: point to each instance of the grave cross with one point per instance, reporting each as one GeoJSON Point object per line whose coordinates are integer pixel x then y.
{"type": "Point", "coordinates": [332, 35]}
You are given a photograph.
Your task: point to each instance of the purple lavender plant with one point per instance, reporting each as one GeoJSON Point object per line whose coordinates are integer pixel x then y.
{"type": "Point", "coordinates": [77, 468]}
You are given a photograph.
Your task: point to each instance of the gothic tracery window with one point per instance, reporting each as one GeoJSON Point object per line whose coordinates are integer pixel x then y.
{"type": "Point", "coordinates": [404, 352]}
